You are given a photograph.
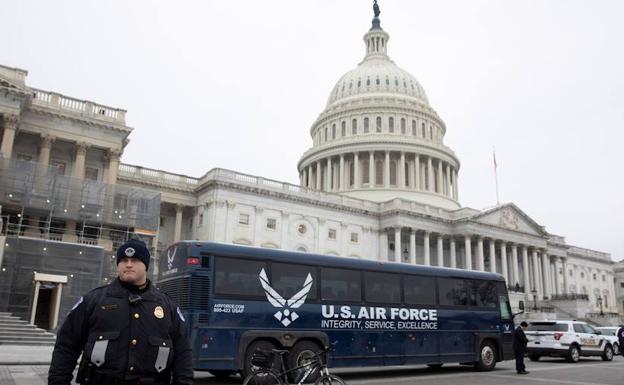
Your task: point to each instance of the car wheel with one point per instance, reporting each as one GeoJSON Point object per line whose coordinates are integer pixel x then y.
{"type": "Point", "coordinates": [607, 355]}
{"type": "Point", "coordinates": [534, 357]}
{"type": "Point", "coordinates": [574, 354]}
{"type": "Point", "coordinates": [487, 357]}
{"type": "Point", "coordinates": [616, 349]}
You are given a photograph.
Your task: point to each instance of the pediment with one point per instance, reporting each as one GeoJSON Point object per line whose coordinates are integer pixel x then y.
{"type": "Point", "coordinates": [510, 217]}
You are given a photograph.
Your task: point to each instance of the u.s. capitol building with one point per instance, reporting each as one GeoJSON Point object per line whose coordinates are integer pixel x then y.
{"type": "Point", "coordinates": [377, 183]}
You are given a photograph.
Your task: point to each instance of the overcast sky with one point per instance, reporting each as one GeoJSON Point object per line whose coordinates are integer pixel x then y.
{"type": "Point", "coordinates": [237, 84]}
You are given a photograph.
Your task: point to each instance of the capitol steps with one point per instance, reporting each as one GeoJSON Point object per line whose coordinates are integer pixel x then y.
{"type": "Point", "coordinates": [15, 331]}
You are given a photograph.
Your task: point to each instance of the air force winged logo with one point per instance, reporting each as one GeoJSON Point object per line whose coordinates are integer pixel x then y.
{"type": "Point", "coordinates": [285, 315]}
{"type": "Point", "coordinates": [170, 257]}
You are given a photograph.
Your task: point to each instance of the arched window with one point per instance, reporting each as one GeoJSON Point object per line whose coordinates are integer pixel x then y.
{"type": "Point", "coordinates": [368, 81]}
{"type": "Point", "coordinates": [402, 125]}
{"type": "Point", "coordinates": [334, 131]}
{"type": "Point", "coordinates": [351, 174]}
{"type": "Point", "coordinates": [359, 83]}
{"type": "Point", "coordinates": [391, 124]}
{"type": "Point", "coordinates": [414, 127]}
{"type": "Point", "coordinates": [365, 173]}
{"type": "Point", "coordinates": [354, 127]}
{"type": "Point", "coordinates": [379, 172]}
{"type": "Point", "coordinates": [366, 125]}
{"type": "Point", "coordinates": [343, 128]}
{"type": "Point", "coordinates": [378, 124]}
{"type": "Point", "coordinates": [431, 132]}
{"type": "Point", "coordinates": [423, 130]}
{"type": "Point", "coordinates": [393, 173]}
{"type": "Point", "coordinates": [326, 129]}
{"type": "Point", "coordinates": [377, 81]}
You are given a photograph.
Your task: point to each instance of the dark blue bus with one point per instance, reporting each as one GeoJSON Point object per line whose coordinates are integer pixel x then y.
{"type": "Point", "coordinates": [237, 299]}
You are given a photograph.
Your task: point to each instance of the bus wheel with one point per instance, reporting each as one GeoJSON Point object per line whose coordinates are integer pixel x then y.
{"type": "Point", "coordinates": [222, 373]}
{"type": "Point", "coordinates": [487, 357]}
{"type": "Point", "coordinates": [303, 353]}
{"type": "Point", "coordinates": [248, 367]}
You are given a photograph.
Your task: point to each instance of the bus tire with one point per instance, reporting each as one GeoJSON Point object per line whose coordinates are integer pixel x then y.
{"type": "Point", "coordinates": [301, 353]}
{"type": "Point", "coordinates": [248, 367]}
{"type": "Point", "coordinates": [262, 377]}
{"type": "Point", "coordinates": [487, 357]}
{"type": "Point", "coordinates": [222, 373]}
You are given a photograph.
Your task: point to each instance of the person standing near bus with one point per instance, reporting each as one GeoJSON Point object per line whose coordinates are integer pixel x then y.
{"type": "Point", "coordinates": [519, 344]}
{"type": "Point", "coordinates": [128, 332]}
{"type": "Point", "coordinates": [620, 336]}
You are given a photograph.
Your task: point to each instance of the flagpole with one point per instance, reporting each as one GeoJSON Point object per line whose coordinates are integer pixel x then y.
{"type": "Point", "coordinates": [496, 175]}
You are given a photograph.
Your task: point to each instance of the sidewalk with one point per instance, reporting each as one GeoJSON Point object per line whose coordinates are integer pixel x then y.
{"type": "Point", "coordinates": [25, 355]}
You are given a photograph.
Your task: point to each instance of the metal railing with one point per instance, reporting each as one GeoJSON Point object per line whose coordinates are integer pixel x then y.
{"type": "Point", "coordinates": [570, 297]}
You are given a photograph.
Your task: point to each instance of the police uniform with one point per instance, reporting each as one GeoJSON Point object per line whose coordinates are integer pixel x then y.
{"type": "Point", "coordinates": [126, 335]}
{"type": "Point", "coordinates": [620, 335]}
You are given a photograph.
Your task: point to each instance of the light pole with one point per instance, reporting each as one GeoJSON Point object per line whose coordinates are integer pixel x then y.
{"type": "Point", "coordinates": [600, 304]}
{"type": "Point", "coordinates": [534, 292]}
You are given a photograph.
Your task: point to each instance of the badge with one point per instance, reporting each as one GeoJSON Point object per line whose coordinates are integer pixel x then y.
{"type": "Point", "coordinates": [159, 312]}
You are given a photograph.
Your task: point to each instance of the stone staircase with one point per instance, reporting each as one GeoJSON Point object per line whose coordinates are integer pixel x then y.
{"type": "Point", "coordinates": [15, 331]}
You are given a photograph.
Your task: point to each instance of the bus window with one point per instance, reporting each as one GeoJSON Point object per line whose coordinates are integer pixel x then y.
{"type": "Point", "coordinates": [452, 292]}
{"type": "Point", "coordinates": [382, 288]}
{"type": "Point", "coordinates": [503, 300]}
{"type": "Point", "coordinates": [288, 279]}
{"type": "Point", "coordinates": [340, 285]}
{"type": "Point", "coordinates": [485, 294]}
{"type": "Point", "coordinates": [238, 277]}
{"type": "Point", "coordinates": [419, 290]}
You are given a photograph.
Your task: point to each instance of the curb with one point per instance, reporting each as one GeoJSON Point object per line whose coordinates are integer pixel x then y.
{"type": "Point", "coordinates": [24, 363]}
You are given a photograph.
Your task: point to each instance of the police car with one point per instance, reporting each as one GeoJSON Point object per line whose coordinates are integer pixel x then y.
{"type": "Point", "coordinates": [611, 333]}
{"type": "Point", "coordinates": [569, 339]}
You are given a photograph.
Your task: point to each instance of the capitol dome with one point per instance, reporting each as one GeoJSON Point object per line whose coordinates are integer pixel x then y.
{"type": "Point", "coordinates": [378, 138]}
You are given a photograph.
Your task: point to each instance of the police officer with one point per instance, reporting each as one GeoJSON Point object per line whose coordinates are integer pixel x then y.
{"type": "Point", "coordinates": [519, 343]}
{"type": "Point", "coordinates": [128, 332]}
{"type": "Point", "coordinates": [620, 336]}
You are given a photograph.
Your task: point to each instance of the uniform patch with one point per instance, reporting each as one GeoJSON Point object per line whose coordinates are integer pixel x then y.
{"type": "Point", "coordinates": [109, 307]}
{"type": "Point", "coordinates": [159, 312]}
{"type": "Point", "coordinates": [180, 315]}
{"type": "Point", "coordinates": [77, 303]}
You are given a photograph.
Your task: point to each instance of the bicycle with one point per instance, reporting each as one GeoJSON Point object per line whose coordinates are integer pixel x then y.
{"type": "Point", "coordinates": [271, 372]}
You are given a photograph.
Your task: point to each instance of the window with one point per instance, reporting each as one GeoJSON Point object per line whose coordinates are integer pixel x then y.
{"type": "Point", "coordinates": [379, 172]}
{"type": "Point", "coordinates": [589, 329]}
{"type": "Point", "coordinates": [452, 292]}
{"type": "Point", "coordinates": [60, 166]}
{"type": "Point", "coordinates": [503, 301]}
{"type": "Point", "coordinates": [414, 128]}
{"type": "Point", "coordinates": [162, 221]}
{"type": "Point", "coordinates": [578, 328]}
{"type": "Point", "coordinates": [340, 285]}
{"type": "Point", "coordinates": [243, 219]}
{"type": "Point", "coordinates": [622, 285]}
{"type": "Point", "coordinates": [604, 278]}
{"type": "Point", "coordinates": [594, 276]}
{"type": "Point", "coordinates": [377, 81]}
{"type": "Point", "coordinates": [419, 290]}
{"type": "Point", "coordinates": [24, 157]}
{"type": "Point", "coordinates": [378, 124]}
{"type": "Point", "coordinates": [334, 131]}
{"type": "Point", "coordinates": [368, 81]}
{"type": "Point", "coordinates": [570, 273]}
{"type": "Point", "coordinates": [343, 128]}
{"type": "Point", "coordinates": [382, 288]}
{"type": "Point", "coordinates": [366, 125]}
{"type": "Point", "coordinates": [482, 293]}
{"type": "Point", "coordinates": [423, 130]}
{"type": "Point", "coordinates": [582, 275]}
{"type": "Point", "coordinates": [271, 223]}
{"type": "Point", "coordinates": [548, 327]}
{"type": "Point", "coordinates": [354, 237]}
{"type": "Point", "coordinates": [391, 124]}
{"type": "Point", "coordinates": [91, 173]}
{"type": "Point", "coordinates": [331, 234]}
{"type": "Point", "coordinates": [326, 131]}
{"type": "Point", "coordinates": [238, 277]}
{"type": "Point", "coordinates": [354, 127]}
{"type": "Point", "coordinates": [200, 220]}
{"type": "Point", "coordinates": [288, 279]}
{"type": "Point", "coordinates": [402, 125]}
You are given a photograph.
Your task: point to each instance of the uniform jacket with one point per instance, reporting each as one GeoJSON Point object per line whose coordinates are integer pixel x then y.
{"type": "Point", "coordinates": [519, 341]}
{"type": "Point", "coordinates": [620, 336]}
{"type": "Point", "coordinates": [123, 340]}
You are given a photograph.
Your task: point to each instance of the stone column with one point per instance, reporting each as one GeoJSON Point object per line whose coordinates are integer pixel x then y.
{"type": "Point", "coordinates": [387, 170]}
{"type": "Point", "coordinates": [448, 180]}
{"type": "Point", "coordinates": [44, 149]}
{"type": "Point", "coordinates": [453, 253]}
{"type": "Point", "coordinates": [526, 269]}
{"type": "Point", "coordinates": [177, 232]}
{"type": "Point", "coordinates": [427, 249]}
{"type": "Point", "coordinates": [318, 184]}
{"type": "Point", "coordinates": [492, 243]}
{"type": "Point", "coordinates": [371, 169]}
{"type": "Point", "coordinates": [468, 248]}
{"type": "Point", "coordinates": [383, 245]}
{"type": "Point", "coordinates": [480, 257]}
{"type": "Point", "coordinates": [440, 247]}
{"type": "Point", "coordinates": [440, 178]}
{"type": "Point", "coordinates": [417, 184]}
{"type": "Point", "coordinates": [514, 264]}
{"type": "Point", "coordinates": [401, 171]}
{"type": "Point", "coordinates": [564, 267]}
{"type": "Point", "coordinates": [546, 274]}
{"type": "Point", "coordinates": [341, 183]}
{"type": "Point", "coordinates": [412, 246]}
{"type": "Point", "coordinates": [536, 284]}
{"type": "Point", "coordinates": [328, 176]}
{"type": "Point", "coordinates": [455, 187]}
{"type": "Point", "coordinates": [11, 123]}
{"type": "Point", "coordinates": [78, 170]}
{"type": "Point", "coordinates": [356, 170]}
{"type": "Point", "coordinates": [113, 165]}
{"type": "Point", "coordinates": [398, 253]}
{"type": "Point", "coordinates": [430, 176]}
{"type": "Point", "coordinates": [504, 269]}
{"type": "Point", "coordinates": [555, 265]}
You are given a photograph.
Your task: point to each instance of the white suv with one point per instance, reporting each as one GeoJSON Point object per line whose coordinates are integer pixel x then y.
{"type": "Point", "coordinates": [611, 333]}
{"type": "Point", "coordinates": [569, 339]}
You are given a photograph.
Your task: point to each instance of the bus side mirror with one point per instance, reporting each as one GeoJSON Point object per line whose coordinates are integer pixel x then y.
{"type": "Point", "coordinates": [521, 305]}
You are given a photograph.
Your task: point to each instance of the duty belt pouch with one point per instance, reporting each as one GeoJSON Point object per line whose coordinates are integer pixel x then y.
{"type": "Point", "coordinates": [161, 358]}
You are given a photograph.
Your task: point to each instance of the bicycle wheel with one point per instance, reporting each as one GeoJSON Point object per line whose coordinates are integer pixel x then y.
{"type": "Point", "coordinates": [262, 377]}
{"type": "Point", "coordinates": [329, 379]}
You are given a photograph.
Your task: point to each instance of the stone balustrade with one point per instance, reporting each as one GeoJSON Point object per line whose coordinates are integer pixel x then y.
{"type": "Point", "coordinates": [84, 108]}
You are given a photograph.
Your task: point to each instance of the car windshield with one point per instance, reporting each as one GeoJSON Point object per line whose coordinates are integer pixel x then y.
{"type": "Point", "coordinates": [548, 327]}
